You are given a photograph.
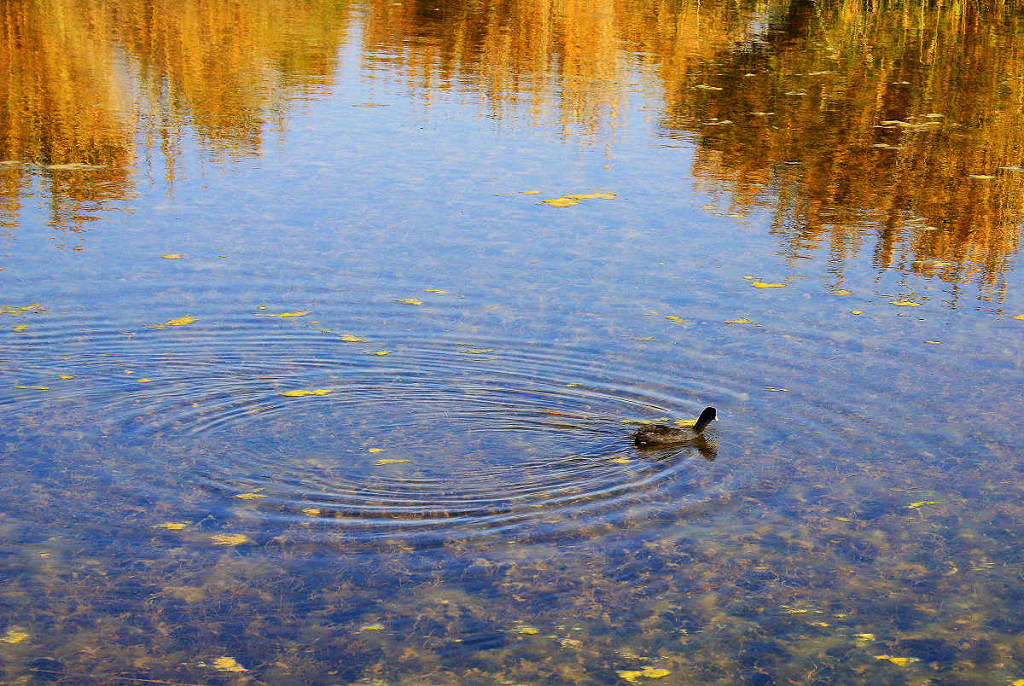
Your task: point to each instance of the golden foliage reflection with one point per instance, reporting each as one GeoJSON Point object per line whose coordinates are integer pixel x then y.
{"type": "Point", "coordinates": [894, 123]}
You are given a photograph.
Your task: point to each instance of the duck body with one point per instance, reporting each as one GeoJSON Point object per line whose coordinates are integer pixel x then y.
{"type": "Point", "coordinates": [657, 435]}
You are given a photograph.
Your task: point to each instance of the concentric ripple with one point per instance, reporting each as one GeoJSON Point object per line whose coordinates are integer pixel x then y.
{"type": "Point", "coordinates": [403, 436]}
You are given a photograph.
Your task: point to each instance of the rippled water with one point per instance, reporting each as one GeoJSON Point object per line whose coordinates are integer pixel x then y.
{"type": "Point", "coordinates": [303, 381]}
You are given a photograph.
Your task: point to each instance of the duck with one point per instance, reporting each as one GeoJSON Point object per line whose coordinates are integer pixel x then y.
{"type": "Point", "coordinates": [658, 435]}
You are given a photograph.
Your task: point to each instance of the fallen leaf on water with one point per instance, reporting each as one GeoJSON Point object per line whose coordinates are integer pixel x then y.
{"type": "Point", "coordinates": [773, 389]}
{"type": "Point", "coordinates": [180, 321]}
{"type": "Point", "coordinates": [842, 291]}
{"type": "Point", "coordinates": [286, 314]}
{"type": "Point", "coordinates": [865, 637]}
{"type": "Point", "coordinates": [349, 338]}
{"type": "Point", "coordinates": [14, 635]}
{"type": "Point", "coordinates": [230, 539]}
{"type": "Point", "coordinates": [438, 291]}
{"type": "Point", "coordinates": [171, 526]}
{"type": "Point", "coordinates": [171, 256]}
{"type": "Point", "coordinates": [379, 352]}
{"type": "Point", "coordinates": [478, 351]}
{"type": "Point", "coordinates": [381, 463]}
{"type": "Point", "coordinates": [16, 309]}
{"type": "Point", "coordinates": [143, 380]}
{"type": "Point", "coordinates": [900, 661]}
{"type": "Point", "coordinates": [934, 342]}
{"type": "Point", "coordinates": [560, 202]}
{"type": "Point", "coordinates": [408, 301]}
{"type": "Point", "coordinates": [921, 503]}
{"type": "Point", "coordinates": [529, 192]}
{"type": "Point", "coordinates": [65, 377]}
{"type": "Point", "coordinates": [228, 664]}
{"type": "Point", "coordinates": [630, 675]}
{"type": "Point", "coordinates": [377, 626]}
{"type": "Point", "coordinates": [763, 284]}
{"type": "Point", "coordinates": [904, 303]}
{"type": "Point", "coordinates": [856, 311]}
{"type": "Point", "coordinates": [34, 388]}
{"type": "Point", "coordinates": [741, 320]}
{"type": "Point", "coordinates": [250, 496]}
{"type": "Point", "coordinates": [620, 460]}
{"type": "Point", "coordinates": [1018, 316]}
{"type": "Point", "coordinates": [375, 450]}
{"type": "Point", "coordinates": [590, 196]}
{"type": "Point", "coordinates": [19, 327]}
{"type": "Point", "coordinates": [529, 630]}
{"type": "Point", "coordinates": [299, 394]}
{"type": "Point", "coordinates": [311, 512]}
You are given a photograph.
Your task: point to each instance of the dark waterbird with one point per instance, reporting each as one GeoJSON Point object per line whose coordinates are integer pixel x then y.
{"type": "Point", "coordinates": [659, 435]}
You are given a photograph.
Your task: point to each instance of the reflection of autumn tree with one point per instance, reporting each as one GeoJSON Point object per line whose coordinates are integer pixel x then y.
{"type": "Point", "coordinates": [69, 119]}
{"type": "Point", "coordinates": [872, 116]}
{"type": "Point", "coordinates": [544, 54]}
{"type": "Point", "coordinates": [60, 103]}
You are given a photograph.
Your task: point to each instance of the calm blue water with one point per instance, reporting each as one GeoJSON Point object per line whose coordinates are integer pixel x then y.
{"type": "Point", "coordinates": [465, 505]}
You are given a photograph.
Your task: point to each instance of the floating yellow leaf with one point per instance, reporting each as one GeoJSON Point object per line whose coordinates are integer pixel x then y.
{"type": "Point", "coordinates": [844, 519]}
{"type": "Point", "coordinates": [1017, 682]}
{"type": "Point", "coordinates": [478, 351]}
{"type": "Point", "coordinates": [529, 630]}
{"type": "Point", "coordinates": [379, 352]}
{"type": "Point", "coordinates": [180, 321]}
{"type": "Point", "coordinates": [560, 202]}
{"type": "Point", "coordinates": [311, 512]}
{"type": "Point", "coordinates": [900, 661]}
{"type": "Point", "coordinates": [741, 320]}
{"type": "Point", "coordinates": [250, 496]}
{"type": "Point", "coordinates": [34, 388]}
{"type": "Point", "coordinates": [763, 284]}
{"type": "Point", "coordinates": [287, 314]}
{"type": "Point", "coordinates": [529, 192]}
{"type": "Point", "coordinates": [821, 624]}
{"type": "Point", "coordinates": [375, 450]}
{"type": "Point", "coordinates": [773, 389]}
{"type": "Point", "coordinates": [230, 539]}
{"type": "Point", "coordinates": [590, 196]}
{"type": "Point", "coordinates": [65, 377]}
{"type": "Point", "coordinates": [673, 318]}
{"type": "Point", "coordinates": [377, 626]}
{"type": "Point", "coordinates": [438, 291]}
{"type": "Point", "coordinates": [171, 256]}
{"type": "Point", "coordinates": [14, 635]}
{"type": "Point", "coordinates": [19, 327]}
{"type": "Point", "coordinates": [904, 303]}
{"type": "Point", "coordinates": [408, 301]}
{"type": "Point", "coordinates": [856, 311]}
{"type": "Point", "coordinates": [865, 637]}
{"type": "Point", "coordinates": [17, 310]}
{"type": "Point", "coordinates": [620, 460]}
{"type": "Point", "coordinates": [1018, 316]}
{"type": "Point", "coordinates": [385, 461]}
{"type": "Point", "coordinates": [921, 503]}
{"type": "Point", "coordinates": [143, 380]}
{"type": "Point", "coordinates": [630, 675]}
{"type": "Point", "coordinates": [171, 526]}
{"type": "Point", "coordinates": [228, 664]}
{"type": "Point", "coordinates": [797, 611]}
{"type": "Point", "coordinates": [842, 291]}
{"type": "Point", "coordinates": [349, 338]}
{"type": "Point", "coordinates": [934, 342]}
{"type": "Point", "coordinates": [299, 394]}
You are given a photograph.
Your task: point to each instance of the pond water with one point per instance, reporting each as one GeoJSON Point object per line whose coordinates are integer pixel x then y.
{"type": "Point", "coordinates": [326, 326]}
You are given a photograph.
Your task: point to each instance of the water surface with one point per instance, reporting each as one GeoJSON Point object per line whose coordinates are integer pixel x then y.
{"type": "Point", "coordinates": [326, 327]}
